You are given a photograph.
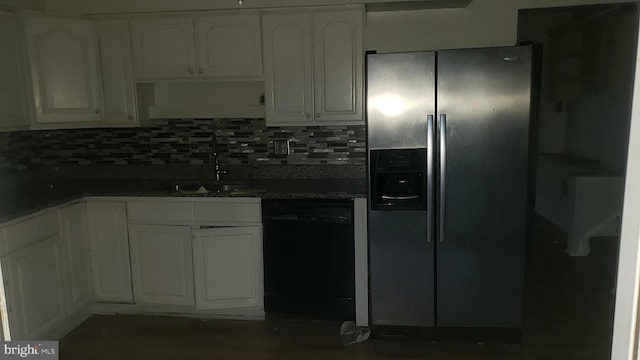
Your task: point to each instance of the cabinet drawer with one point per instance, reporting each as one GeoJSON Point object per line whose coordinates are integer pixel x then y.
{"type": "Point", "coordinates": [227, 213]}
{"type": "Point", "coordinates": [25, 233]}
{"type": "Point", "coordinates": [160, 212]}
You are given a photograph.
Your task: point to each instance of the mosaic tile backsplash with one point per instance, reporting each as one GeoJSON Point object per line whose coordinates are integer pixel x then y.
{"type": "Point", "coordinates": [184, 141]}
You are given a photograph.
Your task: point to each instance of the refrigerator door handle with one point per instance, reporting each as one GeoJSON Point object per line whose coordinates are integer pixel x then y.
{"type": "Point", "coordinates": [430, 177]}
{"type": "Point", "coordinates": [442, 163]}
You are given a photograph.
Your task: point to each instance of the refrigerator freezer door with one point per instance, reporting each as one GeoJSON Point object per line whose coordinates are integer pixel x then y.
{"type": "Point", "coordinates": [400, 95]}
{"type": "Point", "coordinates": [485, 94]}
{"type": "Point", "coordinates": [400, 100]}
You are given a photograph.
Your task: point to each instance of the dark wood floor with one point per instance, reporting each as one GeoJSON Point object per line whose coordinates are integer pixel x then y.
{"type": "Point", "coordinates": [569, 315]}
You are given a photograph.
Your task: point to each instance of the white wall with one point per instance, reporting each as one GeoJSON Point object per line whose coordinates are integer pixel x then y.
{"type": "Point", "coordinates": [625, 326]}
{"type": "Point", "coordinates": [483, 23]}
{"type": "Point", "coordinates": [597, 123]}
{"type": "Point", "coordinates": [598, 128]}
{"type": "Point", "coordinates": [534, 26]}
{"type": "Point", "coordinates": [24, 4]}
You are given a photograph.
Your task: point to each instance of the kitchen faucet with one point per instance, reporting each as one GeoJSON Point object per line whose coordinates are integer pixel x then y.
{"type": "Point", "coordinates": [214, 157]}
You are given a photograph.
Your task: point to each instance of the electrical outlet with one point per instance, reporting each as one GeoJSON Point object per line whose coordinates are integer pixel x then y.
{"type": "Point", "coordinates": [281, 147]}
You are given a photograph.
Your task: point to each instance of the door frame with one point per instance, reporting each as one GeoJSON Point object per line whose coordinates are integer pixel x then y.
{"type": "Point", "coordinates": [625, 326]}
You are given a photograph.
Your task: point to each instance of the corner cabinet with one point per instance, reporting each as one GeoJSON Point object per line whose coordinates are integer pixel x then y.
{"type": "Point", "coordinates": [36, 281]}
{"type": "Point", "coordinates": [313, 67]}
{"type": "Point", "coordinates": [227, 266]}
{"type": "Point", "coordinates": [46, 274]}
{"type": "Point", "coordinates": [64, 72]}
{"type": "Point", "coordinates": [107, 226]}
{"type": "Point", "coordinates": [75, 246]}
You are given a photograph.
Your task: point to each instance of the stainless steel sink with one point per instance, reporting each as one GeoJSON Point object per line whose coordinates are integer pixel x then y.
{"type": "Point", "coordinates": [227, 187]}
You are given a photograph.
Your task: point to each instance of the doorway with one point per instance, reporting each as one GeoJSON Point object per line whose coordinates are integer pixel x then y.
{"type": "Point", "coordinates": [580, 132]}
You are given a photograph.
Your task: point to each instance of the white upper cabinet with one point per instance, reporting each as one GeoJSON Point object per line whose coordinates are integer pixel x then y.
{"type": "Point", "coordinates": [64, 71]}
{"type": "Point", "coordinates": [223, 46]}
{"type": "Point", "coordinates": [163, 48]}
{"type": "Point", "coordinates": [13, 109]}
{"type": "Point", "coordinates": [229, 45]}
{"type": "Point", "coordinates": [338, 57]}
{"type": "Point", "coordinates": [313, 67]}
{"type": "Point", "coordinates": [288, 68]}
{"type": "Point", "coordinates": [118, 88]}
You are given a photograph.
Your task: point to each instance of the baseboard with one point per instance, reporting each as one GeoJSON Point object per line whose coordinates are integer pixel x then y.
{"type": "Point", "coordinates": [59, 330]}
{"type": "Point", "coordinates": [248, 313]}
{"type": "Point", "coordinates": [114, 308]}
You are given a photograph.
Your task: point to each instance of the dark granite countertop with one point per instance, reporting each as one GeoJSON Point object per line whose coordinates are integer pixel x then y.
{"type": "Point", "coordinates": [38, 195]}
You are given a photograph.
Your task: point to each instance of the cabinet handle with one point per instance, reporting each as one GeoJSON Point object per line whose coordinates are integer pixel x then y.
{"type": "Point", "coordinates": [97, 111]}
{"type": "Point", "coordinates": [191, 71]}
{"type": "Point", "coordinates": [130, 117]}
{"type": "Point", "coordinates": [200, 71]}
{"type": "Point", "coordinates": [308, 116]}
{"type": "Point", "coordinates": [318, 115]}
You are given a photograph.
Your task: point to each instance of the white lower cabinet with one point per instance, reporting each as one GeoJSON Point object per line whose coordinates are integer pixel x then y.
{"type": "Point", "coordinates": [34, 284]}
{"type": "Point", "coordinates": [59, 264]}
{"type": "Point", "coordinates": [73, 236]}
{"type": "Point", "coordinates": [227, 265]}
{"type": "Point", "coordinates": [107, 225]}
{"type": "Point", "coordinates": [161, 264]}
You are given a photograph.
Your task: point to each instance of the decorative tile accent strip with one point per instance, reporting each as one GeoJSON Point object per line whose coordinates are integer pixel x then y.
{"type": "Point", "coordinates": [184, 142]}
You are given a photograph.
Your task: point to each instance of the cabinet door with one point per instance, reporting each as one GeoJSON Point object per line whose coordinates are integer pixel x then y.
{"type": "Point", "coordinates": [288, 68]}
{"type": "Point", "coordinates": [161, 264]}
{"type": "Point", "coordinates": [227, 264]}
{"type": "Point", "coordinates": [114, 50]}
{"type": "Point", "coordinates": [229, 45]}
{"type": "Point", "coordinates": [13, 111]}
{"type": "Point", "coordinates": [64, 70]}
{"type": "Point", "coordinates": [36, 289]}
{"type": "Point", "coordinates": [163, 48]}
{"type": "Point", "coordinates": [107, 225]}
{"type": "Point", "coordinates": [338, 57]}
{"type": "Point", "coordinates": [75, 244]}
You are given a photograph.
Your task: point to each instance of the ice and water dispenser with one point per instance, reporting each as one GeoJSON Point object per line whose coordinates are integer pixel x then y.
{"type": "Point", "coordinates": [398, 179]}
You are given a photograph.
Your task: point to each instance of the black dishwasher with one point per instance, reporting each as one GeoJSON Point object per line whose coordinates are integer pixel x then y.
{"type": "Point", "coordinates": [309, 259]}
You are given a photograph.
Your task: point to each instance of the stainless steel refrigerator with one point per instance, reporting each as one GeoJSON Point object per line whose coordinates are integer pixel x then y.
{"type": "Point", "coordinates": [447, 159]}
